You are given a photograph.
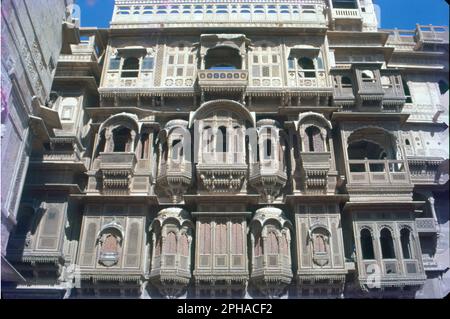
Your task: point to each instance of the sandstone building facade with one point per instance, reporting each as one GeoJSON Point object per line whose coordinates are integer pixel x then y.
{"type": "Point", "coordinates": [31, 44]}
{"type": "Point", "coordinates": [242, 149]}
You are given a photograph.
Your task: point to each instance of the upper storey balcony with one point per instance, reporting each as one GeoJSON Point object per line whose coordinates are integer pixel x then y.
{"type": "Point", "coordinates": [419, 39]}
{"type": "Point", "coordinates": [345, 15]}
{"type": "Point", "coordinates": [375, 164]}
{"type": "Point", "coordinates": [83, 61]}
{"type": "Point", "coordinates": [375, 90]}
{"type": "Point", "coordinates": [222, 65]}
{"type": "Point", "coordinates": [208, 14]}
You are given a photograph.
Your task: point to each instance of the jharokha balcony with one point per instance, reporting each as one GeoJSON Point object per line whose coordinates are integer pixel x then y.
{"type": "Point", "coordinates": [375, 165]}
{"type": "Point", "coordinates": [378, 172]}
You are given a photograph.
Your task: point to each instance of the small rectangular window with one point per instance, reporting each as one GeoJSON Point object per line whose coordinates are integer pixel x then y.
{"type": "Point", "coordinates": [171, 59]}
{"type": "Point", "coordinates": [266, 71]}
{"type": "Point", "coordinates": [274, 58]}
{"type": "Point", "coordinates": [255, 59]}
{"type": "Point", "coordinates": [265, 59]}
{"type": "Point", "coordinates": [191, 59]}
{"type": "Point", "coordinates": [114, 64]}
{"type": "Point", "coordinates": [179, 71]}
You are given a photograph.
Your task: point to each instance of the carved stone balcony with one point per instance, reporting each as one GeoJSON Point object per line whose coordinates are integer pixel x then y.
{"type": "Point", "coordinates": [426, 226]}
{"type": "Point", "coordinates": [315, 167]}
{"type": "Point", "coordinates": [394, 273]}
{"type": "Point", "coordinates": [373, 177]}
{"type": "Point", "coordinates": [425, 171]}
{"type": "Point", "coordinates": [268, 178]}
{"type": "Point", "coordinates": [345, 17]}
{"type": "Point", "coordinates": [175, 178]}
{"type": "Point", "coordinates": [272, 269]}
{"type": "Point", "coordinates": [377, 172]}
{"type": "Point", "coordinates": [171, 271]}
{"type": "Point", "coordinates": [214, 80]}
{"type": "Point", "coordinates": [431, 35]}
{"type": "Point", "coordinates": [116, 172]}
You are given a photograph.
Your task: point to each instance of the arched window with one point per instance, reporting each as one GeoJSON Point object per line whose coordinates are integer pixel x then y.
{"type": "Point", "coordinates": [258, 246]}
{"type": "Point", "coordinates": [130, 68]}
{"type": "Point", "coordinates": [387, 244]}
{"type": "Point", "coordinates": [268, 149]}
{"type": "Point", "coordinates": [221, 142]}
{"type": "Point", "coordinates": [177, 150]}
{"type": "Point", "coordinates": [170, 244]}
{"type": "Point", "coordinates": [110, 242]}
{"type": "Point", "coordinates": [284, 245]}
{"type": "Point", "coordinates": [367, 244]}
{"type": "Point", "coordinates": [306, 67]}
{"type": "Point", "coordinates": [237, 139]}
{"type": "Point", "coordinates": [405, 239]}
{"type": "Point", "coordinates": [223, 58]}
{"type": "Point", "coordinates": [443, 87]}
{"type": "Point", "coordinates": [144, 145]}
{"type": "Point", "coordinates": [320, 246]}
{"type": "Point", "coordinates": [315, 142]}
{"type": "Point", "coordinates": [221, 238]}
{"type": "Point", "coordinates": [122, 139]}
{"type": "Point", "coordinates": [272, 244]}
{"type": "Point", "coordinates": [208, 139]}
{"type": "Point", "coordinates": [158, 246]}
{"type": "Point", "coordinates": [184, 245]}
{"type": "Point", "coordinates": [407, 91]}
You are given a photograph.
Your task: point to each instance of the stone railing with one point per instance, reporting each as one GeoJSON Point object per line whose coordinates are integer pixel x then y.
{"type": "Point", "coordinates": [265, 168]}
{"type": "Point", "coordinates": [222, 78]}
{"type": "Point", "coordinates": [426, 225]}
{"type": "Point", "coordinates": [118, 160]}
{"type": "Point", "coordinates": [175, 168]}
{"type": "Point", "coordinates": [378, 172]}
{"type": "Point", "coordinates": [114, 80]}
{"type": "Point", "coordinates": [218, 158]}
{"type": "Point", "coordinates": [414, 39]}
{"type": "Point", "coordinates": [346, 14]}
{"type": "Point", "coordinates": [433, 34]}
{"type": "Point", "coordinates": [390, 267]}
{"type": "Point", "coordinates": [60, 156]}
{"type": "Point", "coordinates": [297, 80]}
{"type": "Point", "coordinates": [177, 13]}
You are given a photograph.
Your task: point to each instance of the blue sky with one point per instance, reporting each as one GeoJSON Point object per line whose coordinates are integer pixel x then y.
{"type": "Point", "coordinates": [403, 14]}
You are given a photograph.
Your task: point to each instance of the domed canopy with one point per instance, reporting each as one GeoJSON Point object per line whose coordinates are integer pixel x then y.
{"type": "Point", "coordinates": [223, 105]}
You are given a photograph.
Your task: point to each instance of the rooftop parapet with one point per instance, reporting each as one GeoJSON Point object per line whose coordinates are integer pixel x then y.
{"type": "Point", "coordinates": [419, 38]}
{"type": "Point", "coordinates": [203, 13]}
